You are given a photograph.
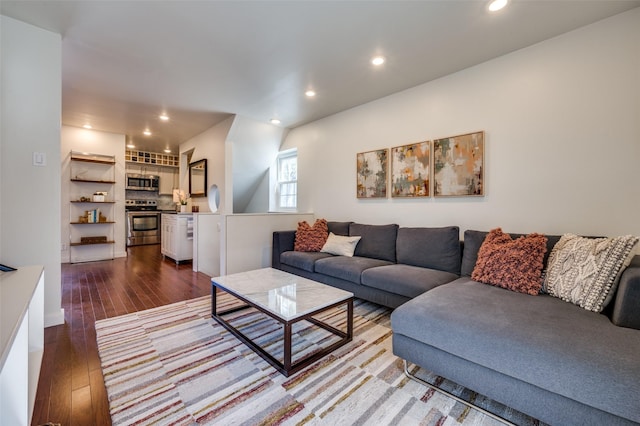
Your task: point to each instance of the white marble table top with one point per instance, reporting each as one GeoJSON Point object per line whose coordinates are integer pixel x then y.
{"type": "Point", "coordinates": [286, 295]}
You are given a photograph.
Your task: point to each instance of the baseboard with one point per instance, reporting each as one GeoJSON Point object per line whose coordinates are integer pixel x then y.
{"type": "Point", "coordinates": [54, 319]}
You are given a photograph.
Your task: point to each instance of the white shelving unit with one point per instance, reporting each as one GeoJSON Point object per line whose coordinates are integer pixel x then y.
{"type": "Point", "coordinates": [22, 342]}
{"type": "Point", "coordinates": [91, 238]}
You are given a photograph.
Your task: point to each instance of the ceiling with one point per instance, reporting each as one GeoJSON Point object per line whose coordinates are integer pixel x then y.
{"type": "Point", "coordinates": [125, 62]}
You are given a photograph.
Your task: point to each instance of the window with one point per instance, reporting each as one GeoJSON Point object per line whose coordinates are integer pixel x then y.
{"type": "Point", "coordinates": [287, 186]}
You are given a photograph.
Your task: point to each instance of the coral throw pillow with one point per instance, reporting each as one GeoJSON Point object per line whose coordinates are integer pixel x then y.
{"type": "Point", "coordinates": [512, 264]}
{"type": "Point", "coordinates": [311, 238]}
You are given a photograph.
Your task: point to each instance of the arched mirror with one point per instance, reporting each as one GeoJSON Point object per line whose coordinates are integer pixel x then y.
{"type": "Point", "coordinates": [198, 178]}
{"type": "Point", "coordinates": [214, 198]}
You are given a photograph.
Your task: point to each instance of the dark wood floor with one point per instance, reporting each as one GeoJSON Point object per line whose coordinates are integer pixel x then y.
{"type": "Point", "coordinates": [71, 389]}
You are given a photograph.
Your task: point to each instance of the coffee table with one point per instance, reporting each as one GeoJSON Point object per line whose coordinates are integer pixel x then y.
{"type": "Point", "coordinates": [288, 299]}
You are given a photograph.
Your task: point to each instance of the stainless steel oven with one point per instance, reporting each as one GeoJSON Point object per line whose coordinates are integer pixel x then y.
{"type": "Point", "coordinates": [143, 222]}
{"type": "Point", "coordinates": [143, 228]}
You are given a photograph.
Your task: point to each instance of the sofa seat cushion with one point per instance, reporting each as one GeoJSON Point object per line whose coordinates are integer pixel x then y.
{"type": "Point", "coordinates": [347, 268]}
{"type": "Point", "coordinates": [301, 259]}
{"type": "Point", "coordinates": [405, 280]}
{"type": "Point", "coordinates": [540, 340]}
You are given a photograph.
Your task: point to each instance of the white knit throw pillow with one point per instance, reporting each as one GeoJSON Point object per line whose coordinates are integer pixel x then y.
{"type": "Point", "coordinates": [586, 271]}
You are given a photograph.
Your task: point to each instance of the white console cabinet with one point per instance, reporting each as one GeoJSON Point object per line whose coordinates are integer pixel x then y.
{"type": "Point", "coordinates": [177, 236]}
{"type": "Point", "coordinates": [22, 342]}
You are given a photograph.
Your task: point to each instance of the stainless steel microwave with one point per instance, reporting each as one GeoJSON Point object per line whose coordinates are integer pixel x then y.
{"type": "Point", "coordinates": [142, 182]}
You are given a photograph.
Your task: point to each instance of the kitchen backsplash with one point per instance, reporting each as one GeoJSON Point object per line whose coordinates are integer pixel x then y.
{"type": "Point", "coordinates": [165, 202]}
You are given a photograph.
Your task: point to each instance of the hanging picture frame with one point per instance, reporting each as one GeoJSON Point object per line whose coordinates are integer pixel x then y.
{"type": "Point", "coordinates": [371, 174]}
{"type": "Point", "coordinates": [458, 165]}
{"type": "Point", "coordinates": [410, 170]}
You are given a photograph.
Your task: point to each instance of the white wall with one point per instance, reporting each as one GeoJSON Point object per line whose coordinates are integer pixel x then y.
{"type": "Point", "coordinates": [206, 243]}
{"type": "Point", "coordinates": [247, 239]}
{"type": "Point", "coordinates": [78, 139]}
{"type": "Point", "coordinates": [209, 144]}
{"type": "Point", "coordinates": [30, 122]}
{"type": "Point", "coordinates": [562, 123]}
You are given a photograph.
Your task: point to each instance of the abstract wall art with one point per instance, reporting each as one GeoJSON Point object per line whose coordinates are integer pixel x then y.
{"type": "Point", "coordinates": [410, 170]}
{"type": "Point", "coordinates": [371, 174]}
{"type": "Point", "coordinates": [458, 165]}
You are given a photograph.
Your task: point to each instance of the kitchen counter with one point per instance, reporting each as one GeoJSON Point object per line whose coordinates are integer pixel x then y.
{"type": "Point", "coordinates": [175, 212]}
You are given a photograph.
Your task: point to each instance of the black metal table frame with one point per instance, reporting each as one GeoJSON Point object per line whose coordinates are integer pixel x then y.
{"type": "Point", "coordinates": [287, 367]}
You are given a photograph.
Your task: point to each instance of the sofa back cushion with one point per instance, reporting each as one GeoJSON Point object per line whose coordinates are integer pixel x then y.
{"type": "Point", "coordinates": [339, 228]}
{"type": "Point", "coordinates": [377, 242]}
{"type": "Point", "coordinates": [474, 239]}
{"type": "Point", "coordinates": [434, 248]}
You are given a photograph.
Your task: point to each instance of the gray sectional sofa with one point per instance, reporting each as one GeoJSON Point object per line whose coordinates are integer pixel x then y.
{"type": "Point", "coordinates": [538, 354]}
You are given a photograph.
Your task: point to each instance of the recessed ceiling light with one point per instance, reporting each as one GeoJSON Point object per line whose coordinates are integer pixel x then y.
{"type": "Point", "coordinates": [130, 146]}
{"type": "Point", "coordinates": [496, 5]}
{"type": "Point", "coordinates": [275, 121]}
{"type": "Point", "coordinates": [163, 117]}
{"type": "Point", "coordinates": [87, 126]}
{"type": "Point", "coordinates": [378, 60]}
{"type": "Point", "coordinates": [168, 151]}
{"type": "Point", "coordinates": [310, 93]}
{"type": "Point", "coordinates": [147, 132]}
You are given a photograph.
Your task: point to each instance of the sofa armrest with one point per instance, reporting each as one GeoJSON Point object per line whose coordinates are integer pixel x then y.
{"type": "Point", "coordinates": [626, 310]}
{"type": "Point", "coordinates": [282, 241]}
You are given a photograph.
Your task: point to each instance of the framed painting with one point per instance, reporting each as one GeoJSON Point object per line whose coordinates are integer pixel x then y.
{"type": "Point", "coordinates": [410, 170]}
{"type": "Point", "coordinates": [458, 165]}
{"type": "Point", "coordinates": [371, 174]}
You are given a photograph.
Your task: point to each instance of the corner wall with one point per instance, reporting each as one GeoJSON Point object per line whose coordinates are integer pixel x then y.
{"type": "Point", "coordinates": [562, 139]}
{"type": "Point", "coordinates": [254, 147]}
{"type": "Point", "coordinates": [209, 144]}
{"type": "Point", "coordinates": [30, 122]}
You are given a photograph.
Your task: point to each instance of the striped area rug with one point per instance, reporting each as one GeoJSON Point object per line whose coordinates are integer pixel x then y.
{"type": "Point", "coordinates": [174, 365]}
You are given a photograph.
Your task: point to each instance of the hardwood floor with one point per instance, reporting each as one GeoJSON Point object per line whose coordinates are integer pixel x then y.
{"type": "Point", "coordinates": [71, 389]}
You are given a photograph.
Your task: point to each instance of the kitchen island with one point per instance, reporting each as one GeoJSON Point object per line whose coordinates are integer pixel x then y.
{"type": "Point", "coordinates": [177, 236]}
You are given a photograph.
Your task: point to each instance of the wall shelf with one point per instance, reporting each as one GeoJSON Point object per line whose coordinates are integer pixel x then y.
{"type": "Point", "coordinates": [93, 202]}
{"type": "Point", "coordinates": [109, 182]}
{"type": "Point", "coordinates": [91, 223]}
{"type": "Point", "coordinates": [88, 157]}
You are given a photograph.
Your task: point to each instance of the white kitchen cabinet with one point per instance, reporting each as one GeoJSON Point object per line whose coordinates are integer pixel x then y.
{"type": "Point", "coordinates": [136, 169]}
{"type": "Point", "coordinates": [168, 180]}
{"type": "Point", "coordinates": [177, 236]}
{"type": "Point", "coordinates": [141, 169]}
